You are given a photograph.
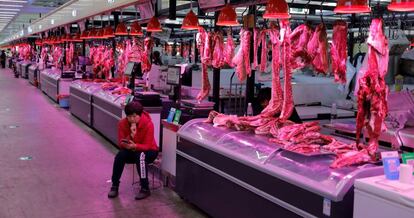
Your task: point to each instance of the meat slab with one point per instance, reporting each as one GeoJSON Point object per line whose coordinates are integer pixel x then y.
{"type": "Point", "coordinates": [318, 50]}
{"type": "Point", "coordinates": [339, 51]}
{"type": "Point", "coordinates": [372, 92]}
{"type": "Point", "coordinates": [300, 38]}
{"type": "Point", "coordinates": [242, 59]}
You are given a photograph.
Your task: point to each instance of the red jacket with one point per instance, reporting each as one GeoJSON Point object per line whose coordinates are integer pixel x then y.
{"type": "Point", "coordinates": [144, 136]}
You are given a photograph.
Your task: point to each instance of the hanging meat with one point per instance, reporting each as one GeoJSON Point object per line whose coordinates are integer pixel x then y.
{"type": "Point", "coordinates": [56, 55]}
{"type": "Point", "coordinates": [256, 38]}
{"type": "Point", "coordinates": [69, 54]}
{"type": "Point", "coordinates": [372, 92]}
{"type": "Point", "coordinates": [108, 62]}
{"type": "Point", "coordinates": [260, 39]}
{"type": "Point", "coordinates": [229, 49]}
{"type": "Point", "coordinates": [146, 55]}
{"type": "Point", "coordinates": [43, 53]}
{"type": "Point", "coordinates": [205, 85]}
{"type": "Point", "coordinates": [242, 59]}
{"type": "Point", "coordinates": [299, 39]}
{"type": "Point", "coordinates": [124, 52]}
{"type": "Point", "coordinates": [339, 51]}
{"type": "Point", "coordinates": [218, 45]}
{"type": "Point", "coordinates": [276, 100]}
{"type": "Point", "coordinates": [287, 107]}
{"type": "Point", "coordinates": [318, 49]}
{"type": "Point", "coordinates": [202, 37]}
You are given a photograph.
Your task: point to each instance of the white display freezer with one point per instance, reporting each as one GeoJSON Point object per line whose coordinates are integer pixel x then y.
{"type": "Point", "coordinates": [381, 198]}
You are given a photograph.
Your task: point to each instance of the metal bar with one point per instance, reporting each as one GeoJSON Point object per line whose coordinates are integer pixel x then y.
{"type": "Point", "coordinates": [172, 10]}
{"type": "Point", "coordinates": [249, 96]}
{"type": "Point", "coordinates": [216, 76]}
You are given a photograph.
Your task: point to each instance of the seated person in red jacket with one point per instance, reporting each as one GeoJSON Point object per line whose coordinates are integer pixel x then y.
{"type": "Point", "coordinates": [137, 145]}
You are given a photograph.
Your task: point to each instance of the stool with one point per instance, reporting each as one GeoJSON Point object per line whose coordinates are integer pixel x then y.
{"type": "Point", "coordinates": [153, 168]}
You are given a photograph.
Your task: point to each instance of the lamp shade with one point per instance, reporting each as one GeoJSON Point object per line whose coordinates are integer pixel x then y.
{"type": "Point", "coordinates": [38, 42]}
{"type": "Point", "coordinates": [121, 30]}
{"type": "Point", "coordinates": [276, 9]}
{"type": "Point", "coordinates": [227, 17]}
{"type": "Point", "coordinates": [136, 29]}
{"type": "Point", "coordinates": [76, 38]}
{"type": "Point", "coordinates": [190, 21]}
{"type": "Point", "coordinates": [92, 34]}
{"type": "Point", "coordinates": [108, 32]}
{"type": "Point", "coordinates": [84, 35]}
{"type": "Point", "coordinates": [154, 25]}
{"type": "Point", "coordinates": [401, 5]}
{"type": "Point", "coordinates": [99, 34]}
{"type": "Point", "coordinates": [352, 7]}
{"type": "Point", "coordinates": [66, 38]}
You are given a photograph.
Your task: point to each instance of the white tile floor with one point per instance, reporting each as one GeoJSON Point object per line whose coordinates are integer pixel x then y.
{"type": "Point", "coordinates": [70, 164]}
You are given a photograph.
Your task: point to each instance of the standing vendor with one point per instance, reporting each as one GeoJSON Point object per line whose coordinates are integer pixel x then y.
{"type": "Point", "coordinates": [153, 77]}
{"type": "Point", "coordinates": [137, 145]}
{"type": "Point", "coordinates": [3, 59]}
{"type": "Point", "coordinates": [263, 99]}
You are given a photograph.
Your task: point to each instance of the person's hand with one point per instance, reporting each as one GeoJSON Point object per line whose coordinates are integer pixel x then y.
{"type": "Point", "coordinates": [131, 145]}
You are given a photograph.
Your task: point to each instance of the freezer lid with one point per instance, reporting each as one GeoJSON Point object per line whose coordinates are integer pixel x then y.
{"type": "Point", "coordinates": [248, 146]}
{"type": "Point", "coordinates": [310, 173]}
{"type": "Point", "coordinates": [205, 134]}
{"type": "Point", "coordinates": [86, 86]}
{"type": "Point", "coordinates": [314, 174]}
{"type": "Point", "coordinates": [391, 190]}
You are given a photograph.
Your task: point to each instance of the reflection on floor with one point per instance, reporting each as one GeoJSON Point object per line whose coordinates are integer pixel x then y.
{"type": "Point", "coordinates": [52, 165]}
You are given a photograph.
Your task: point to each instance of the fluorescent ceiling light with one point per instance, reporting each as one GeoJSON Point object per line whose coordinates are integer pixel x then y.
{"type": "Point", "coordinates": [8, 12]}
{"type": "Point", "coordinates": [11, 6]}
{"type": "Point", "coordinates": [9, 9]}
{"type": "Point", "coordinates": [13, 1]}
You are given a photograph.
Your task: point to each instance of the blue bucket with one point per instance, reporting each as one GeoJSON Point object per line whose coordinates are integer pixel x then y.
{"type": "Point", "coordinates": [64, 102]}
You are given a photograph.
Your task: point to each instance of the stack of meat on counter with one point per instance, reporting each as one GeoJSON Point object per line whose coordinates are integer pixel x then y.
{"type": "Point", "coordinates": [294, 50]}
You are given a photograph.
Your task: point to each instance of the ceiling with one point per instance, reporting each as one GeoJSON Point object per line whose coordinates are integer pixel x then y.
{"type": "Point", "coordinates": [32, 10]}
{"type": "Point", "coordinates": [18, 14]}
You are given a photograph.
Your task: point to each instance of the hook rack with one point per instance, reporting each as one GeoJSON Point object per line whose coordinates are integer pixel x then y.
{"type": "Point", "coordinates": [307, 10]}
{"type": "Point", "coordinates": [321, 14]}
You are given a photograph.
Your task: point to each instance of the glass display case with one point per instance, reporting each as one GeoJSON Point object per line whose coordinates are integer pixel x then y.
{"type": "Point", "coordinates": [261, 167]}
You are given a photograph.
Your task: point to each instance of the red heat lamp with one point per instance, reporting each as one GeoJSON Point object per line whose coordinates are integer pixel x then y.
{"type": "Point", "coordinates": [121, 30]}
{"type": "Point", "coordinates": [92, 34]}
{"type": "Point", "coordinates": [84, 35]}
{"type": "Point", "coordinates": [227, 17]}
{"type": "Point", "coordinates": [99, 34]}
{"type": "Point", "coordinates": [67, 38]}
{"type": "Point", "coordinates": [190, 22]}
{"type": "Point", "coordinates": [276, 9]}
{"type": "Point", "coordinates": [108, 32]}
{"type": "Point", "coordinates": [154, 25]}
{"type": "Point", "coordinates": [352, 7]}
{"type": "Point", "coordinates": [77, 38]}
{"type": "Point", "coordinates": [136, 29]}
{"type": "Point", "coordinates": [38, 42]}
{"type": "Point", "coordinates": [401, 5]}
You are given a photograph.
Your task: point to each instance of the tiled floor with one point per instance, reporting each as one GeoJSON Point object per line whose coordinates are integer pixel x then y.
{"type": "Point", "coordinates": [70, 167]}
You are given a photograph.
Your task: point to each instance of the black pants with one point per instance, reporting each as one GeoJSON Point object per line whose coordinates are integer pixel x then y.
{"type": "Point", "coordinates": [3, 64]}
{"type": "Point", "coordinates": [141, 159]}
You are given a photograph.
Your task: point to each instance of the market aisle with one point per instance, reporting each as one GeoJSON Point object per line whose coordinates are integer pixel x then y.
{"type": "Point", "coordinates": [71, 165]}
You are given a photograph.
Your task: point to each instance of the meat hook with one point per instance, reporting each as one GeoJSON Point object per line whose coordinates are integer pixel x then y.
{"type": "Point", "coordinates": [321, 12]}
{"type": "Point", "coordinates": [307, 10]}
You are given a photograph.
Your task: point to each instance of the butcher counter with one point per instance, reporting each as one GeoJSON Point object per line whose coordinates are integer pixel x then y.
{"type": "Point", "coordinates": [24, 71]}
{"type": "Point", "coordinates": [52, 84]}
{"type": "Point", "coordinates": [33, 74]}
{"type": "Point", "coordinates": [103, 109]}
{"type": "Point", "coordinates": [80, 99]}
{"type": "Point", "coordinates": [239, 174]}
